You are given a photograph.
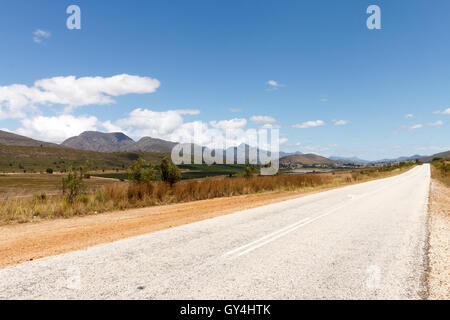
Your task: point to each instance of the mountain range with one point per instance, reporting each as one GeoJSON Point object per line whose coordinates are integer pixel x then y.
{"type": "Point", "coordinates": [119, 142]}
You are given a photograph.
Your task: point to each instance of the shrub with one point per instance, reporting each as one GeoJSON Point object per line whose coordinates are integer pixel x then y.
{"type": "Point", "coordinates": [250, 170]}
{"type": "Point", "coordinates": [139, 174]}
{"type": "Point", "coordinates": [49, 170]}
{"type": "Point", "coordinates": [72, 185]}
{"type": "Point", "coordinates": [169, 172]}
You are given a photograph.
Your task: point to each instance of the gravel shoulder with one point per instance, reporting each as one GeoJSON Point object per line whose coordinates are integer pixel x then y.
{"type": "Point", "coordinates": [439, 239]}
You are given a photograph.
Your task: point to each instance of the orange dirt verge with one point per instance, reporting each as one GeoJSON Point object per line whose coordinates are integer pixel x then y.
{"type": "Point", "coordinates": [24, 242]}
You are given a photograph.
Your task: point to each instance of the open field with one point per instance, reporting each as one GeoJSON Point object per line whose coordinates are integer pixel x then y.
{"type": "Point", "coordinates": [23, 185]}
{"type": "Point", "coordinates": [38, 159]}
{"type": "Point", "coordinates": [188, 171]}
{"type": "Point", "coordinates": [120, 196]}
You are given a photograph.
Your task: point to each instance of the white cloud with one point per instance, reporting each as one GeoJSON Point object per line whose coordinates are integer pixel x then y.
{"type": "Point", "coordinates": [436, 123]}
{"type": "Point", "coordinates": [17, 99]}
{"type": "Point", "coordinates": [283, 140]}
{"type": "Point", "coordinates": [168, 125]}
{"type": "Point", "coordinates": [234, 110]}
{"type": "Point", "coordinates": [144, 122]}
{"type": "Point", "coordinates": [229, 124]}
{"type": "Point", "coordinates": [191, 112]}
{"type": "Point", "coordinates": [409, 116]}
{"type": "Point", "coordinates": [416, 126]}
{"type": "Point", "coordinates": [39, 35]}
{"type": "Point", "coordinates": [309, 124]}
{"type": "Point", "coordinates": [341, 122]}
{"type": "Point", "coordinates": [262, 119]}
{"type": "Point", "coordinates": [445, 111]}
{"type": "Point", "coordinates": [270, 126]}
{"type": "Point", "coordinates": [324, 100]}
{"type": "Point", "coordinates": [274, 85]}
{"type": "Point", "coordinates": [58, 128]}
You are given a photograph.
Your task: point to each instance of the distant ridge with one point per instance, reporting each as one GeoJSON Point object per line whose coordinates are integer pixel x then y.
{"type": "Point", "coordinates": [99, 141]}
{"type": "Point", "coordinates": [306, 160]}
{"type": "Point", "coordinates": [348, 159]}
{"type": "Point", "coordinates": [116, 142]}
{"type": "Point", "coordinates": [12, 139]}
{"type": "Point", "coordinates": [148, 144]}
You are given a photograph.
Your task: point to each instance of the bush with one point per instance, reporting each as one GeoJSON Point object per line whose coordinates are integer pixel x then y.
{"type": "Point", "coordinates": [72, 185]}
{"type": "Point", "coordinates": [169, 172]}
{"type": "Point", "coordinates": [250, 170]}
{"type": "Point", "coordinates": [49, 170]}
{"type": "Point", "coordinates": [138, 174]}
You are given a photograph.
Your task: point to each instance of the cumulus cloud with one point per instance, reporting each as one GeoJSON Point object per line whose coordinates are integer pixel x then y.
{"type": "Point", "coordinates": [234, 110]}
{"type": "Point", "coordinates": [270, 126]}
{"type": "Point", "coordinates": [436, 123]}
{"type": "Point", "coordinates": [416, 126]}
{"type": "Point", "coordinates": [58, 128]}
{"type": "Point", "coordinates": [273, 85]}
{"type": "Point", "coordinates": [409, 116]}
{"type": "Point", "coordinates": [309, 124]}
{"type": "Point", "coordinates": [262, 119]}
{"type": "Point", "coordinates": [341, 122]}
{"type": "Point", "coordinates": [191, 112]}
{"type": "Point", "coordinates": [18, 99]}
{"type": "Point", "coordinates": [144, 122]}
{"type": "Point", "coordinates": [167, 125]}
{"type": "Point", "coordinates": [39, 35]}
{"type": "Point", "coordinates": [445, 111]}
{"type": "Point", "coordinates": [229, 124]}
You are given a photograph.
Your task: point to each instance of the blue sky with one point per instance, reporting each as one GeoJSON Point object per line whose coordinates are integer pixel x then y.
{"type": "Point", "coordinates": [214, 60]}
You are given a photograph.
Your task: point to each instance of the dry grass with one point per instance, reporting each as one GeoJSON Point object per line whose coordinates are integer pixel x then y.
{"type": "Point", "coordinates": [440, 170]}
{"type": "Point", "coordinates": [25, 185]}
{"type": "Point", "coordinates": [124, 195]}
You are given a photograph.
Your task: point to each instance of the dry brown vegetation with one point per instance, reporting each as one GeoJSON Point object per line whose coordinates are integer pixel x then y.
{"type": "Point", "coordinates": [124, 196]}
{"type": "Point", "coordinates": [440, 170]}
{"type": "Point", "coordinates": [25, 185]}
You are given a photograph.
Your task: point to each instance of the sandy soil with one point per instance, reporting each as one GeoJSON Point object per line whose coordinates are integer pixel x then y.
{"type": "Point", "coordinates": [439, 251]}
{"type": "Point", "coordinates": [24, 242]}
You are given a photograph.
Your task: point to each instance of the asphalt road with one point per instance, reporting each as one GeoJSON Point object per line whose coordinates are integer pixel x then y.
{"type": "Point", "coordinates": [366, 241]}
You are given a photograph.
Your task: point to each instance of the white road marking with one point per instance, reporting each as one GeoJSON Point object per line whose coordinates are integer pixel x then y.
{"type": "Point", "coordinates": [279, 233]}
{"type": "Point", "coordinates": [290, 228]}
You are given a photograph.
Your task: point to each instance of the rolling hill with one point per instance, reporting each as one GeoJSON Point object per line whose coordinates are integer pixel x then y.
{"type": "Point", "coordinates": [444, 155]}
{"type": "Point", "coordinates": [116, 142]}
{"type": "Point", "coordinates": [148, 144]}
{"type": "Point", "coordinates": [306, 160]}
{"type": "Point", "coordinates": [99, 141]}
{"type": "Point", "coordinates": [12, 139]}
{"type": "Point", "coordinates": [37, 159]}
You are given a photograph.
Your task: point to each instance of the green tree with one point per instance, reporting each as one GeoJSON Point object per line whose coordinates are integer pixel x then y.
{"type": "Point", "coordinates": [169, 172]}
{"type": "Point", "coordinates": [140, 173]}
